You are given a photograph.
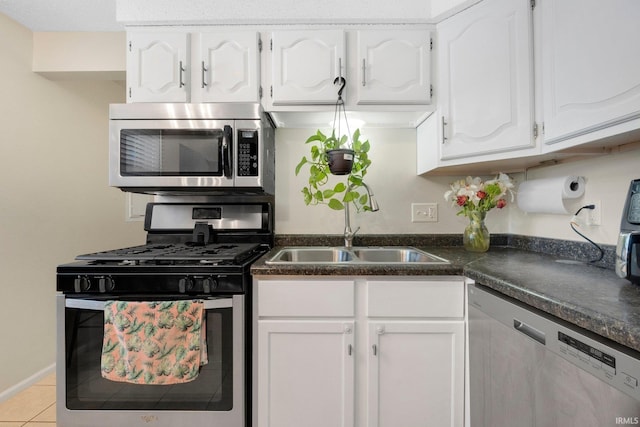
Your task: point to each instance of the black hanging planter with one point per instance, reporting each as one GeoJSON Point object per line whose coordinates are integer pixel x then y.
{"type": "Point", "coordinates": [340, 161]}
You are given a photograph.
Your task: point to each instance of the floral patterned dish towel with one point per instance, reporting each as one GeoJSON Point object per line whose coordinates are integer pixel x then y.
{"type": "Point", "coordinates": [162, 342]}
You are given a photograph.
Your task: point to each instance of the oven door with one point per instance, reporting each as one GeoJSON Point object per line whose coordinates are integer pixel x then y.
{"type": "Point", "coordinates": [171, 153]}
{"type": "Point", "coordinates": [215, 398]}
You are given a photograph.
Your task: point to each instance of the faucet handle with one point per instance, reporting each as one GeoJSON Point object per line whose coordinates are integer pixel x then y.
{"type": "Point", "coordinates": [352, 233]}
{"type": "Point", "coordinates": [348, 236]}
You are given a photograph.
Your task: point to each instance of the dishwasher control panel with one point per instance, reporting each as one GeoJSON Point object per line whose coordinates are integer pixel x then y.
{"type": "Point", "coordinates": [598, 359]}
{"type": "Point", "coordinates": [614, 367]}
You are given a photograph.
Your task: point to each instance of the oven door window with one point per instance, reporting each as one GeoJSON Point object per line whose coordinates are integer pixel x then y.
{"type": "Point", "coordinates": [212, 390]}
{"type": "Point", "coordinates": [171, 152]}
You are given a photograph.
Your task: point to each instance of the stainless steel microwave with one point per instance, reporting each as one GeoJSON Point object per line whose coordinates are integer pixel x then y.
{"type": "Point", "coordinates": [209, 148]}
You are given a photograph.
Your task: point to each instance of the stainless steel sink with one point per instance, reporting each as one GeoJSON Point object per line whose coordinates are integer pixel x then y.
{"type": "Point", "coordinates": [311, 255]}
{"type": "Point", "coordinates": [356, 255]}
{"type": "Point", "coordinates": [393, 255]}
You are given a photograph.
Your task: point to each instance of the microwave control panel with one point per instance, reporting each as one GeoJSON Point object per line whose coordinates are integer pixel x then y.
{"type": "Point", "coordinates": [248, 155]}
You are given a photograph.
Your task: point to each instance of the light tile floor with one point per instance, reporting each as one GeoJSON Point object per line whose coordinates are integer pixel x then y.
{"type": "Point", "coordinates": [33, 407]}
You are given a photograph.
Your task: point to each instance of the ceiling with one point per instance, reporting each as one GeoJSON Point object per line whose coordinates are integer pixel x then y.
{"type": "Point", "coordinates": [63, 15]}
{"type": "Point", "coordinates": [100, 15]}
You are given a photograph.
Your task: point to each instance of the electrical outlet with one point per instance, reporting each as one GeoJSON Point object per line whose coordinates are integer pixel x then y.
{"type": "Point", "coordinates": [424, 212]}
{"type": "Point", "coordinates": [594, 216]}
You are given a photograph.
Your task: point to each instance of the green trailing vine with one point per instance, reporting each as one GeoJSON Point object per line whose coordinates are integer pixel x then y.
{"type": "Point", "coordinates": [318, 168]}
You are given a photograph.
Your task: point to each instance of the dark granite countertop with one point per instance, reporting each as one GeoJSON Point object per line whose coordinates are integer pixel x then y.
{"type": "Point", "coordinates": [591, 297]}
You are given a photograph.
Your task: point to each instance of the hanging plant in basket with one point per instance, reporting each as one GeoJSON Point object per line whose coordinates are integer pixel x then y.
{"type": "Point", "coordinates": [337, 154]}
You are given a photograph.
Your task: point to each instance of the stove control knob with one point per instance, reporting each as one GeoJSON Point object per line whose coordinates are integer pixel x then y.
{"type": "Point", "coordinates": [81, 284]}
{"type": "Point", "coordinates": [106, 284]}
{"type": "Point", "coordinates": [185, 284]}
{"type": "Point", "coordinates": [209, 284]}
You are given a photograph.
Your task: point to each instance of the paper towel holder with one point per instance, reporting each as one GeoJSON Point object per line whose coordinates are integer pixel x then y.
{"type": "Point", "coordinates": [548, 195]}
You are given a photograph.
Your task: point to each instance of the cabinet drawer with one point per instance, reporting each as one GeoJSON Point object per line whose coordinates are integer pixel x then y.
{"type": "Point", "coordinates": [306, 298]}
{"type": "Point", "coordinates": [415, 298]}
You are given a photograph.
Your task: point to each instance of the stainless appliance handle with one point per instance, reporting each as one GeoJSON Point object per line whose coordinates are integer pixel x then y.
{"type": "Point", "coordinates": [530, 331]}
{"type": "Point", "coordinates": [227, 144]}
{"type": "Point", "coordinates": [98, 305]}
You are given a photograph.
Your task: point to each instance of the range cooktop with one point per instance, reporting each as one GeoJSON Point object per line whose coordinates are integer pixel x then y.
{"type": "Point", "coordinates": [169, 252]}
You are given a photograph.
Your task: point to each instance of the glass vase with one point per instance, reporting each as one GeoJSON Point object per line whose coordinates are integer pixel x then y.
{"type": "Point", "coordinates": [476, 235]}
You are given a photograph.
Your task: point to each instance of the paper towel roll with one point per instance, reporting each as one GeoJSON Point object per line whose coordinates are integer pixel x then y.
{"type": "Point", "coordinates": [548, 195]}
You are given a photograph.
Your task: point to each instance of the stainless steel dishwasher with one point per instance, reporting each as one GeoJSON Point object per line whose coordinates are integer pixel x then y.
{"type": "Point", "coordinates": [527, 368]}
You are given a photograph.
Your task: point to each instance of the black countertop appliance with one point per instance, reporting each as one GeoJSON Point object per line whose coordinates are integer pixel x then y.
{"type": "Point", "coordinates": [628, 248]}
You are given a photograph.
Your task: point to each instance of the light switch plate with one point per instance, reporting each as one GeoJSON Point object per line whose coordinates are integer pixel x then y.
{"type": "Point", "coordinates": [424, 212]}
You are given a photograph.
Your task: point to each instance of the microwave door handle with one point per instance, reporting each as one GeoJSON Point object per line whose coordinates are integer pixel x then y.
{"type": "Point", "coordinates": [227, 149]}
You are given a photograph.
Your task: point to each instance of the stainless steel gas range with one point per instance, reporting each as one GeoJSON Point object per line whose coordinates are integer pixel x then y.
{"type": "Point", "coordinates": [195, 251]}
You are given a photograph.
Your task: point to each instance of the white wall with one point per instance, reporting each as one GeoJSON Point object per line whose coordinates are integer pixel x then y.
{"type": "Point", "coordinates": [55, 202]}
{"type": "Point", "coordinates": [393, 179]}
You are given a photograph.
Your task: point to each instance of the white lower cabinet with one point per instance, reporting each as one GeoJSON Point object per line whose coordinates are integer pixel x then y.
{"type": "Point", "coordinates": [305, 373]}
{"type": "Point", "coordinates": [415, 374]}
{"type": "Point", "coordinates": [374, 352]}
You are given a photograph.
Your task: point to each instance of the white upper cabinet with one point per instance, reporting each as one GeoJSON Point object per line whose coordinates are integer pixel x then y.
{"type": "Point", "coordinates": [305, 64]}
{"type": "Point", "coordinates": [157, 67]}
{"type": "Point", "coordinates": [590, 67]}
{"type": "Point", "coordinates": [177, 66]}
{"type": "Point", "coordinates": [485, 56]}
{"type": "Point", "coordinates": [228, 69]}
{"type": "Point", "coordinates": [394, 67]}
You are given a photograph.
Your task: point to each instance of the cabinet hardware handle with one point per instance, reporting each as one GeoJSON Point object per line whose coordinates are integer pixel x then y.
{"type": "Point", "coordinates": [444, 123]}
{"type": "Point", "coordinates": [350, 349]}
{"type": "Point", "coordinates": [181, 71]}
{"type": "Point", "coordinates": [364, 71]}
{"type": "Point", "coordinates": [375, 349]}
{"type": "Point", "coordinates": [204, 70]}
{"type": "Point", "coordinates": [340, 68]}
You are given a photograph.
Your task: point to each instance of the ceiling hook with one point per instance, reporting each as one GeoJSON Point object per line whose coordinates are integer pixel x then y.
{"type": "Point", "coordinates": [343, 83]}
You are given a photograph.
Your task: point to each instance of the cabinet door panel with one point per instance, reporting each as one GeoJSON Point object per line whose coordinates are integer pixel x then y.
{"type": "Point", "coordinates": [590, 66]}
{"type": "Point", "coordinates": [305, 64]}
{"type": "Point", "coordinates": [416, 374]}
{"type": "Point", "coordinates": [485, 60]}
{"type": "Point", "coordinates": [158, 67]}
{"type": "Point", "coordinates": [381, 80]}
{"type": "Point", "coordinates": [231, 68]}
{"type": "Point", "coordinates": [305, 374]}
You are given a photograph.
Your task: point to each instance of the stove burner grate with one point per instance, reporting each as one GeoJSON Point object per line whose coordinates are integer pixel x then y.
{"type": "Point", "coordinates": [172, 254]}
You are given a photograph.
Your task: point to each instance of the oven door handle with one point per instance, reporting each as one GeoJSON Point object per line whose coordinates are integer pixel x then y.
{"type": "Point", "coordinates": [98, 305]}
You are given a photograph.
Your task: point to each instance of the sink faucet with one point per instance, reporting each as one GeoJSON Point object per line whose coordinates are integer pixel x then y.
{"type": "Point", "coordinates": [348, 233]}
